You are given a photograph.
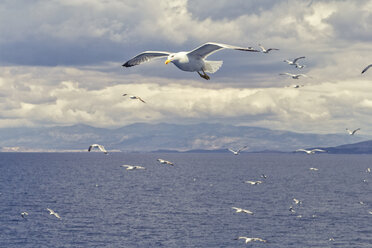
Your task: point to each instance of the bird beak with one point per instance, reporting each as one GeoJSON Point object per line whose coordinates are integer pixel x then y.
{"type": "Point", "coordinates": [167, 61]}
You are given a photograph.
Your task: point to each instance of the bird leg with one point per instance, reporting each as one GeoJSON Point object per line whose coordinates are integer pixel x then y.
{"type": "Point", "coordinates": [204, 75]}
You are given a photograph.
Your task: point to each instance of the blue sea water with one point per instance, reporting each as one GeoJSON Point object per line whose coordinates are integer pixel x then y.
{"type": "Point", "coordinates": [189, 205]}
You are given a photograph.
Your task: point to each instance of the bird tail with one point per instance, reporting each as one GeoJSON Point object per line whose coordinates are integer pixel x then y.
{"type": "Point", "coordinates": [212, 66]}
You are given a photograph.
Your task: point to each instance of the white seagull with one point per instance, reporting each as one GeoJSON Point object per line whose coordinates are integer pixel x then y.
{"type": "Point", "coordinates": [162, 161]}
{"type": "Point", "coordinates": [133, 167]}
{"type": "Point", "coordinates": [296, 201]}
{"type": "Point", "coordinates": [253, 182]}
{"type": "Point", "coordinates": [291, 209]}
{"type": "Point", "coordinates": [296, 86]}
{"type": "Point", "coordinates": [313, 169]}
{"type": "Point", "coordinates": [352, 132]}
{"type": "Point", "coordinates": [51, 212]}
{"type": "Point", "coordinates": [135, 97]}
{"type": "Point", "coordinates": [189, 61]}
{"type": "Point", "coordinates": [294, 62]}
{"type": "Point", "coordinates": [310, 151]}
{"type": "Point", "coordinates": [266, 50]}
{"type": "Point", "coordinates": [241, 210]}
{"type": "Point", "coordinates": [24, 214]}
{"type": "Point", "coordinates": [100, 147]}
{"type": "Point", "coordinates": [238, 151]}
{"type": "Point", "coordinates": [247, 240]}
{"type": "Point", "coordinates": [368, 170]}
{"type": "Point", "coordinates": [294, 76]}
{"type": "Point", "coordinates": [365, 69]}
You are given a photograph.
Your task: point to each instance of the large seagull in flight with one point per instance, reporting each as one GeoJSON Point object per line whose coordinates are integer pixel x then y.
{"type": "Point", "coordinates": [194, 60]}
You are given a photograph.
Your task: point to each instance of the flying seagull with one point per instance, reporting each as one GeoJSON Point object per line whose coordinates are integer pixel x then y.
{"type": "Point", "coordinates": [24, 214]}
{"type": "Point", "coordinates": [291, 209]}
{"type": "Point", "coordinates": [133, 167]}
{"type": "Point", "coordinates": [247, 240]}
{"type": "Point", "coordinates": [368, 170]}
{"type": "Point", "coordinates": [296, 86]}
{"type": "Point", "coordinates": [253, 182]}
{"type": "Point", "coordinates": [189, 61]}
{"type": "Point", "coordinates": [296, 201]}
{"type": "Point", "coordinates": [100, 147]}
{"type": "Point", "coordinates": [294, 76]}
{"type": "Point", "coordinates": [365, 69]}
{"type": "Point", "coordinates": [51, 212]}
{"type": "Point", "coordinates": [314, 169]}
{"type": "Point", "coordinates": [162, 161]}
{"type": "Point", "coordinates": [240, 210]}
{"type": "Point", "coordinates": [135, 97]}
{"type": "Point", "coordinates": [238, 151]}
{"type": "Point", "coordinates": [266, 50]}
{"type": "Point", "coordinates": [352, 132]}
{"type": "Point", "coordinates": [294, 62]}
{"type": "Point", "coordinates": [310, 151]}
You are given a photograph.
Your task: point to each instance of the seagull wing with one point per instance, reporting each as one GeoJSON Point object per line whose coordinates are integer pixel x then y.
{"type": "Point", "coordinates": [355, 130]}
{"type": "Point", "coordinates": [271, 49]}
{"type": "Point", "coordinates": [231, 150]}
{"type": "Point", "coordinates": [139, 98]}
{"type": "Point", "coordinates": [209, 48]}
{"type": "Point", "coordinates": [318, 150]}
{"type": "Point", "coordinates": [365, 69]}
{"type": "Point", "coordinates": [301, 150]}
{"type": "Point", "coordinates": [288, 74]}
{"type": "Point", "coordinates": [102, 148]}
{"type": "Point", "coordinates": [241, 149]}
{"type": "Point", "coordinates": [144, 57]}
{"type": "Point", "coordinates": [91, 147]}
{"type": "Point", "coordinates": [295, 60]}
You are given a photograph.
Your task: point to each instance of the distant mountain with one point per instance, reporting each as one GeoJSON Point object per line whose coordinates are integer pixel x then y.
{"type": "Point", "coordinates": [364, 147]}
{"type": "Point", "coordinates": [175, 137]}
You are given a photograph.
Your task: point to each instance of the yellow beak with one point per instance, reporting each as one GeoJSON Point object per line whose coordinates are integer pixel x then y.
{"type": "Point", "coordinates": [167, 61]}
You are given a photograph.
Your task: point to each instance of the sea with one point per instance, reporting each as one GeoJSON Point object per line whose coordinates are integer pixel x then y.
{"type": "Point", "coordinates": [190, 204]}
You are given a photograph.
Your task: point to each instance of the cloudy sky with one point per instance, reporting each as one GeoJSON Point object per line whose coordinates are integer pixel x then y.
{"type": "Point", "coordinates": [61, 63]}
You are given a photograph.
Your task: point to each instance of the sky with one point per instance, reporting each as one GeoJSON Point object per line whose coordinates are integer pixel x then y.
{"type": "Point", "coordinates": [60, 63]}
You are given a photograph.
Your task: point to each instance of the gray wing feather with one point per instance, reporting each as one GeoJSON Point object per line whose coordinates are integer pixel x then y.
{"type": "Point", "coordinates": [209, 48]}
{"type": "Point", "coordinates": [295, 60]}
{"type": "Point", "coordinates": [365, 69]}
{"type": "Point", "coordinates": [144, 57]}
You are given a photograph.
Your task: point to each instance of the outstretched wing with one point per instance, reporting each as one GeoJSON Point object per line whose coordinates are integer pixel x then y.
{"type": "Point", "coordinates": [301, 150]}
{"type": "Point", "coordinates": [209, 48]}
{"type": "Point", "coordinates": [272, 49]}
{"type": "Point", "coordinates": [365, 69]}
{"type": "Point", "coordinates": [356, 130]}
{"type": "Point", "coordinates": [295, 60]}
{"type": "Point", "coordinates": [102, 148]}
{"type": "Point", "coordinates": [144, 57]}
{"type": "Point", "coordinates": [241, 149]}
{"type": "Point", "coordinates": [318, 150]}
{"type": "Point", "coordinates": [231, 150]}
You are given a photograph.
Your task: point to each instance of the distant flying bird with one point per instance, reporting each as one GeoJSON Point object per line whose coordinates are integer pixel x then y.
{"type": "Point", "coordinates": [51, 212]}
{"type": "Point", "coordinates": [162, 161]}
{"type": "Point", "coordinates": [253, 182]}
{"type": "Point", "coordinates": [247, 240]}
{"type": "Point", "coordinates": [135, 97]}
{"type": "Point", "coordinates": [266, 50]}
{"type": "Point", "coordinates": [296, 86]}
{"type": "Point", "coordinates": [352, 132]}
{"type": "Point", "coordinates": [365, 69]}
{"type": "Point", "coordinates": [133, 167]}
{"type": "Point", "coordinates": [310, 151]}
{"type": "Point", "coordinates": [294, 62]}
{"type": "Point", "coordinates": [296, 201]}
{"type": "Point", "coordinates": [24, 214]}
{"type": "Point", "coordinates": [100, 147]}
{"type": "Point", "coordinates": [240, 210]}
{"type": "Point", "coordinates": [370, 212]}
{"type": "Point", "coordinates": [291, 209]}
{"type": "Point", "coordinates": [368, 170]}
{"type": "Point", "coordinates": [263, 176]}
{"type": "Point", "coordinates": [294, 76]}
{"type": "Point", "coordinates": [314, 169]}
{"type": "Point", "coordinates": [238, 151]}
{"type": "Point", "coordinates": [193, 61]}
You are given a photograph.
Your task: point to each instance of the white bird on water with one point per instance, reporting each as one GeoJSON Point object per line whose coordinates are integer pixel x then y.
{"type": "Point", "coordinates": [294, 76]}
{"type": "Point", "coordinates": [352, 132]}
{"type": "Point", "coordinates": [135, 97]}
{"type": "Point", "coordinates": [266, 50]}
{"type": "Point", "coordinates": [100, 147]}
{"type": "Point", "coordinates": [133, 167]}
{"type": "Point", "coordinates": [241, 210]}
{"type": "Point", "coordinates": [192, 61]}
{"type": "Point", "coordinates": [51, 212]}
{"type": "Point", "coordinates": [247, 240]}
{"type": "Point", "coordinates": [237, 151]}
{"type": "Point", "coordinates": [162, 161]}
{"type": "Point", "coordinates": [310, 151]}
{"type": "Point", "coordinates": [294, 62]}
{"type": "Point", "coordinates": [365, 69]}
